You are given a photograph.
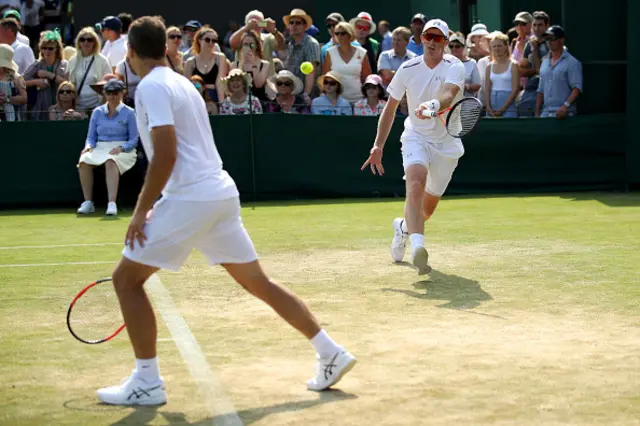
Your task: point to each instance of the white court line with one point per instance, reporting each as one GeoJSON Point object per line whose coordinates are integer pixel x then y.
{"type": "Point", "coordinates": [222, 409]}
{"type": "Point", "coordinates": [60, 246]}
{"type": "Point", "coordinates": [24, 265]}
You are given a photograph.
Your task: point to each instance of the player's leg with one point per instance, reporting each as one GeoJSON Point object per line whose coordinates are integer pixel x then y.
{"type": "Point", "coordinates": [112, 176]}
{"type": "Point", "coordinates": [85, 172]}
{"type": "Point", "coordinates": [229, 244]}
{"type": "Point", "coordinates": [429, 204]}
{"type": "Point", "coordinates": [413, 214]}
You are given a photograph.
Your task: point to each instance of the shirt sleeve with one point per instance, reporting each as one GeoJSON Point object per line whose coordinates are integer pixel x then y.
{"type": "Point", "coordinates": [314, 107]}
{"type": "Point", "coordinates": [574, 75]}
{"type": "Point", "coordinates": [346, 108]}
{"type": "Point", "coordinates": [475, 75]}
{"type": "Point", "coordinates": [92, 135]}
{"type": "Point", "coordinates": [384, 62]}
{"type": "Point", "coordinates": [456, 75]}
{"type": "Point", "coordinates": [157, 103]}
{"type": "Point", "coordinates": [398, 85]}
{"type": "Point", "coordinates": [527, 50]}
{"type": "Point", "coordinates": [314, 51]}
{"type": "Point", "coordinates": [542, 79]}
{"type": "Point", "coordinates": [120, 68]}
{"type": "Point", "coordinates": [30, 73]}
{"type": "Point", "coordinates": [132, 125]}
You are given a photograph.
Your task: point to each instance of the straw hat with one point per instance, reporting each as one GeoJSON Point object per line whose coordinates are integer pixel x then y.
{"type": "Point", "coordinates": [298, 85]}
{"type": "Point", "coordinates": [236, 73]}
{"type": "Point", "coordinates": [6, 57]}
{"type": "Point", "coordinates": [331, 74]}
{"type": "Point", "coordinates": [99, 86]}
{"type": "Point", "coordinates": [366, 18]}
{"type": "Point", "coordinates": [298, 13]}
{"type": "Point", "coordinates": [69, 52]}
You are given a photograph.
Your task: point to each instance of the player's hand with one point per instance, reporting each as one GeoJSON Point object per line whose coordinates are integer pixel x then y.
{"type": "Point", "coordinates": [135, 232]}
{"type": "Point", "coordinates": [374, 161]}
{"type": "Point", "coordinates": [428, 110]}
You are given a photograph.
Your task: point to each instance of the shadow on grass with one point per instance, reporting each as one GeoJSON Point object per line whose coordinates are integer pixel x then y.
{"type": "Point", "coordinates": [458, 293]}
{"type": "Point", "coordinates": [147, 415]}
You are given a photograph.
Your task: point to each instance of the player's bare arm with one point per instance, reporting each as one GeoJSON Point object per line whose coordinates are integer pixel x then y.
{"type": "Point", "coordinates": [158, 173]}
{"type": "Point", "coordinates": [385, 122]}
{"type": "Point", "coordinates": [441, 102]}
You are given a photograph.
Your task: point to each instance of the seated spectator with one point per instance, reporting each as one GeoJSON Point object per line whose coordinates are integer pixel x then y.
{"type": "Point", "coordinates": [330, 102]}
{"type": "Point", "coordinates": [87, 67]}
{"type": "Point", "coordinates": [332, 20]}
{"type": "Point", "coordinates": [288, 88]}
{"type": "Point", "coordinates": [207, 63]}
{"type": "Point", "coordinates": [272, 39]}
{"type": "Point", "coordinates": [390, 60]}
{"type": "Point", "coordinates": [250, 60]}
{"type": "Point", "coordinates": [198, 82]}
{"type": "Point", "coordinates": [65, 106]}
{"type": "Point", "coordinates": [534, 51]}
{"type": "Point", "coordinates": [502, 81]}
{"type": "Point", "coordinates": [115, 46]}
{"type": "Point", "coordinates": [364, 28]}
{"type": "Point", "coordinates": [174, 56]}
{"type": "Point", "coordinates": [46, 74]}
{"type": "Point", "coordinates": [112, 141]}
{"type": "Point", "coordinates": [560, 79]}
{"type": "Point", "coordinates": [125, 72]}
{"type": "Point", "coordinates": [374, 97]}
{"type": "Point", "coordinates": [13, 91]}
{"type": "Point", "coordinates": [302, 48]}
{"type": "Point", "coordinates": [415, 42]}
{"type": "Point", "coordinates": [478, 42]}
{"type": "Point", "coordinates": [350, 62]}
{"type": "Point", "coordinates": [384, 29]}
{"type": "Point", "coordinates": [238, 102]}
{"type": "Point", "coordinates": [472, 76]}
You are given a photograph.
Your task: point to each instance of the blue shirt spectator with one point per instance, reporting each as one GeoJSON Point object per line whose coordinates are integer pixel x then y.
{"type": "Point", "coordinates": [386, 43]}
{"type": "Point", "coordinates": [390, 60]}
{"type": "Point", "coordinates": [120, 127]}
{"type": "Point", "coordinates": [416, 48]}
{"type": "Point", "coordinates": [323, 106]}
{"type": "Point", "coordinates": [558, 81]}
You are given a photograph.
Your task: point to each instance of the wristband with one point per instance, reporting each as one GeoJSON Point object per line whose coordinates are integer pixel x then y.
{"type": "Point", "coordinates": [567, 104]}
{"type": "Point", "coordinates": [433, 105]}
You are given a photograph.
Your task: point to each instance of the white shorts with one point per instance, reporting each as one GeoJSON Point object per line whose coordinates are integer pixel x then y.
{"type": "Point", "coordinates": [176, 227]}
{"type": "Point", "coordinates": [439, 158]}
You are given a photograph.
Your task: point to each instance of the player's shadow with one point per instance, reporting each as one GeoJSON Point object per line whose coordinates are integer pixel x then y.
{"type": "Point", "coordinates": [146, 415]}
{"type": "Point", "coordinates": [457, 292]}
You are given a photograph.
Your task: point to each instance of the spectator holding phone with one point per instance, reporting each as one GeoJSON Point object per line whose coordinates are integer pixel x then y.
{"type": "Point", "coordinates": [251, 61]}
{"type": "Point", "coordinates": [272, 39]}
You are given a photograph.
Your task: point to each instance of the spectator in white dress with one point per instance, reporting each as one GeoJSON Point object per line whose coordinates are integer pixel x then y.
{"type": "Point", "coordinates": [349, 61]}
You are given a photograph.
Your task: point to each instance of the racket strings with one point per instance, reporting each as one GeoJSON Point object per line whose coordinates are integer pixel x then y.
{"type": "Point", "coordinates": [464, 117]}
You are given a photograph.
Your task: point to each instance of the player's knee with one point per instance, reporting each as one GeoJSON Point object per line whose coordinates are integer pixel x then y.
{"type": "Point", "coordinates": [124, 279]}
{"type": "Point", "coordinates": [415, 188]}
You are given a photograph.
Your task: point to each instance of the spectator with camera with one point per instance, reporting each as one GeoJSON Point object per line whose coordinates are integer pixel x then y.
{"type": "Point", "coordinates": [272, 39]}
{"type": "Point", "coordinates": [251, 61]}
{"type": "Point", "coordinates": [560, 79]}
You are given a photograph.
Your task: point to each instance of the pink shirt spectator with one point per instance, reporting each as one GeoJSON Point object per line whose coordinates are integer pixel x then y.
{"type": "Point", "coordinates": [362, 108]}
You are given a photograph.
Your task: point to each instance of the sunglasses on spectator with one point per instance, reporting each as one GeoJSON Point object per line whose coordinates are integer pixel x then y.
{"type": "Point", "coordinates": [455, 46]}
{"type": "Point", "coordinates": [331, 24]}
{"type": "Point", "coordinates": [112, 92]}
{"type": "Point", "coordinates": [434, 37]}
{"type": "Point", "coordinates": [520, 24]}
{"type": "Point", "coordinates": [362, 27]}
{"type": "Point", "coordinates": [340, 33]}
{"type": "Point", "coordinates": [66, 92]}
{"type": "Point", "coordinates": [49, 48]}
{"type": "Point", "coordinates": [370, 86]}
{"type": "Point", "coordinates": [296, 22]}
{"type": "Point", "coordinates": [209, 40]}
{"type": "Point", "coordinates": [284, 83]}
{"type": "Point", "coordinates": [175, 36]}
{"type": "Point", "coordinates": [86, 40]}
{"type": "Point", "coordinates": [330, 83]}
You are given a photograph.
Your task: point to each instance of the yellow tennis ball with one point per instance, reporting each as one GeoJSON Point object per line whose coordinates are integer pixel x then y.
{"type": "Point", "coordinates": [306, 68]}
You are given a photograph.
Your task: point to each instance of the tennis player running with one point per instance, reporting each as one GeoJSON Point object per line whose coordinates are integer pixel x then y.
{"type": "Point", "coordinates": [200, 209]}
{"type": "Point", "coordinates": [434, 81]}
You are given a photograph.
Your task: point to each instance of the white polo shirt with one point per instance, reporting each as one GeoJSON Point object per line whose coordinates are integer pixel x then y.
{"type": "Point", "coordinates": [421, 84]}
{"type": "Point", "coordinates": [22, 55]}
{"type": "Point", "coordinates": [115, 51]}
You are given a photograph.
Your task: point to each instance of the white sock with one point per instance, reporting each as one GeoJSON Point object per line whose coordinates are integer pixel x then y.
{"type": "Point", "coordinates": [404, 226]}
{"type": "Point", "coordinates": [325, 346]}
{"type": "Point", "coordinates": [417, 240]}
{"type": "Point", "coordinates": [147, 369]}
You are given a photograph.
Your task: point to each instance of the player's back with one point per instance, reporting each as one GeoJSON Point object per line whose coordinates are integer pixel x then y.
{"type": "Point", "coordinates": [164, 98]}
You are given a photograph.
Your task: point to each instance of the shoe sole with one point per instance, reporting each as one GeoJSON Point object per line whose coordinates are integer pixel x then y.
{"type": "Point", "coordinates": [146, 403]}
{"type": "Point", "coordinates": [421, 261]}
{"type": "Point", "coordinates": [339, 377]}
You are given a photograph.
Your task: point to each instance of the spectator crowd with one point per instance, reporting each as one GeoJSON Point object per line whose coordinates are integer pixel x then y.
{"type": "Point", "coordinates": [256, 68]}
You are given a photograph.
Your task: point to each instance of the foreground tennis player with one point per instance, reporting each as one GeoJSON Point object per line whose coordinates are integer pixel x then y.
{"type": "Point", "coordinates": [200, 209]}
{"type": "Point", "coordinates": [432, 82]}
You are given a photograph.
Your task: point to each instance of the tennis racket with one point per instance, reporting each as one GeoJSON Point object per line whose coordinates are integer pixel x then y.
{"type": "Point", "coordinates": [94, 314]}
{"type": "Point", "coordinates": [463, 116]}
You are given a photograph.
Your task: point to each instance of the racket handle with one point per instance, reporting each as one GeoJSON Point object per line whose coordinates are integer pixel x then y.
{"type": "Point", "coordinates": [426, 110]}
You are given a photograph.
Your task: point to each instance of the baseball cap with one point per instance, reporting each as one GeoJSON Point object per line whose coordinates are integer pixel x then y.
{"type": "Point", "coordinates": [419, 17]}
{"type": "Point", "coordinates": [438, 24]}
{"type": "Point", "coordinates": [523, 17]}
{"type": "Point", "coordinates": [112, 23]}
{"type": "Point", "coordinates": [555, 31]}
{"type": "Point", "coordinates": [114, 85]}
{"type": "Point", "coordinates": [192, 24]}
{"type": "Point", "coordinates": [479, 29]}
{"type": "Point", "coordinates": [313, 31]}
{"type": "Point", "coordinates": [335, 17]}
{"type": "Point", "coordinates": [12, 14]}
{"type": "Point", "coordinates": [457, 38]}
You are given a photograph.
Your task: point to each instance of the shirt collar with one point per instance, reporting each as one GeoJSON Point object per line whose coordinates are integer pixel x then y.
{"type": "Point", "coordinates": [105, 108]}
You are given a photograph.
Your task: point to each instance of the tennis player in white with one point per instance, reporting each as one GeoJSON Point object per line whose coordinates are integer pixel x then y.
{"type": "Point", "coordinates": [433, 82]}
{"type": "Point", "coordinates": [200, 209]}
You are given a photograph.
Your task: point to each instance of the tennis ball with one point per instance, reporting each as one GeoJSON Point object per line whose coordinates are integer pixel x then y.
{"type": "Point", "coordinates": [306, 68]}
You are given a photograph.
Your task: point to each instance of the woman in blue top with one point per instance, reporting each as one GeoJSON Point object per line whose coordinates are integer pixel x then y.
{"type": "Point", "coordinates": [112, 141]}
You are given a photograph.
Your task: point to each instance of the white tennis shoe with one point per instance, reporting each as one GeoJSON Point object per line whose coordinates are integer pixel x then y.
{"type": "Point", "coordinates": [112, 209]}
{"type": "Point", "coordinates": [330, 370]}
{"type": "Point", "coordinates": [420, 259]}
{"type": "Point", "coordinates": [86, 207]}
{"type": "Point", "coordinates": [399, 242]}
{"type": "Point", "coordinates": [134, 391]}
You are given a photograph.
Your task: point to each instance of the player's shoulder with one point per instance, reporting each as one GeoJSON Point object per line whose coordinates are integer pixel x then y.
{"type": "Point", "coordinates": [412, 63]}
{"type": "Point", "coordinates": [451, 60]}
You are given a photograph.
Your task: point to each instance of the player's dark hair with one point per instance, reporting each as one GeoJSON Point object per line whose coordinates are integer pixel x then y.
{"type": "Point", "coordinates": [148, 38]}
